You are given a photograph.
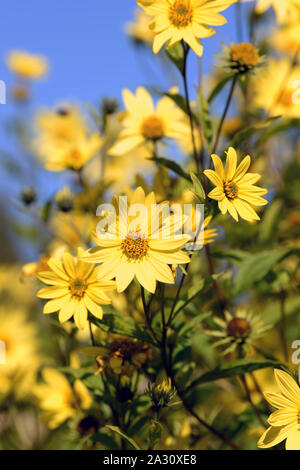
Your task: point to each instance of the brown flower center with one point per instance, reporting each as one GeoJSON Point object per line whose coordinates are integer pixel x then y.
{"type": "Point", "coordinates": [181, 13]}
{"type": "Point", "coordinates": [77, 287]}
{"type": "Point", "coordinates": [245, 54]}
{"type": "Point", "coordinates": [238, 327]}
{"type": "Point", "coordinates": [230, 189]}
{"type": "Point", "coordinates": [153, 128]}
{"type": "Point", "coordinates": [134, 246]}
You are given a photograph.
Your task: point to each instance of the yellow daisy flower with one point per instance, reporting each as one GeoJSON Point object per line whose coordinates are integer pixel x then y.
{"type": "Point", "coordinates": [127, 251]}
{"type": "Point", "coordinates": [64, 140]}
{"type": "Point", "coordinates": [285, 10]}
{"type": "Point", "coordinates": [139, 29]}
{"type": "Point", "coordinates": [144, 123]}
{"type": "Point", "coordinates": [284, 422]}
{"type": "Point", "coordinates": [26, 65]}
{"type": "Point", "coordinates": [277, 88]}
{"type": "Point", "coordinates": [176, 20]}
{"type": "Point", "coordinates": [235, 190]}
{"type": "Point", "coordinates": [58, 399]}
{"type": "Point", "coordinates": [76, 288]}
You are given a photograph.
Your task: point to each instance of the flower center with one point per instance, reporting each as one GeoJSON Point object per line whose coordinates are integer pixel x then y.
{"type": "Point", "coordinates": [230, 189]}
{"type": "Point", "coordinates": [181, 13]}
{"type": "Point", "coordinates": [238, 327]}
{"type": "Point", "coordinates": [245, 54]}
{"type": "Point", "coordinates": [153, 128]}
{"type": "Point", "coordinates": [77, 287]}
{"type": "Point", "coordinates": [286, 98]}
{"type": "Point", "coordinates": [134, 246]}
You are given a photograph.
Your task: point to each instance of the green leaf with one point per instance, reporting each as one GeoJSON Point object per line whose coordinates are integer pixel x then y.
{"type": "Point", "coordinates": [105, 440]}
{"type": "Point", "coordinates": [270, 221]}
{"type": "Point", "coordinates": [219, 87]}
{"type": "Point", "coordinates": [154, 434]}
{"type": "Point", "coordinates": [245, 134]}
{"type": "Point", "coordinates": [122, 325]}
{"type": "Point", "coordinates": [233, 369]}
{"type": "Point", "coordinates": [128, 439]}
{"type": "Point", "coordinates": [256, 267]}
{"type": "Point", "coordinates": [198, 188]}
{"type": "Point", "coordinates": [282, 126]}
{"type": "Point", "coordinates": [171, 165]}
{"type": "Point", "coordinates": [176, 55]}
{"type": "Point", "coordinates": [205, 119]}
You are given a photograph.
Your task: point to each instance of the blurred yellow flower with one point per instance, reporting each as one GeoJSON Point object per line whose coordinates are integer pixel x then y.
{"type": "Point", "coordinates": [26, 65]}
{"type": "Point", "coordinates": [64, 140]}
{"type": "Point", "coordinates": [285, 421]}
{"type": "Point", "coordinates": [76, 288]}
{"type": "Point", "coordinates": [176, 20]}
{"type": "Point", "coordinates": [287, 38]}
{"type": "Point", "coordinates": [139, 29]}
{"type": "Point", "coordinates": [277, 88]}
{"type": "Point", "coordinates": [235, 190]}
{"type": "Point", "coordinates": [58, 399]}
{"type": "Point", "coordinates": [20, 361]}
{"type": "Point", "coordinates": [285, 10]}
{"type": "Point", "coordinates": [144, 123]}
{"type": "Point", "coordinates": [127, 252]}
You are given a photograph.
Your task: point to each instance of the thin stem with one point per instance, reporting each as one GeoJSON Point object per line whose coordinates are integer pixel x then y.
{"type": "Point", "coordinates": [92, 334]}
{"type": "Point", "coordinates": [219, 294]}
{"type": "Point", "coordinates": [177, 297]}
{"type": "Point", "coordinates": [227, 105]}
{"type": "Point", "coordinates": [189, 111]}
{"type": "Point", "coordinates": [282, 298]}
{"type": "Point", "coordinates": [147, 314]}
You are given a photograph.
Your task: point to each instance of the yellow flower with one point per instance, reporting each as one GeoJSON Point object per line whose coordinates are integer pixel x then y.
{"type": "Point", "coordinates": [64, 140]}
{"type": "Point", "coordinates": [235, 190]}
{"type": "Point", "coordinates": [285, 10]}
{"type": "Point", "coordinates": [286, 39]}
{"type": "Point", "coordinates": [277, 89]}
{"type": "Point", "coordinates": [27, 65]}
{"type": "Point", "coordinates": [245, 54]}
{"type": "Point", "coordinates": [176, 20]}
{"type": "Point", "coordinates": [59, 400]}
{"type": "Point", "coordinates": [144, 123]}
{"type": "Point", "coordinates": [76, 288]}
{"type": "Point", "coordinates": [284, 422]}
{"type": "Point", "coordinates": [139, 30]}
{"type": "Point", "coordinates": [127, 250]}
{"type": "Point", "coordinates": [19, 357]}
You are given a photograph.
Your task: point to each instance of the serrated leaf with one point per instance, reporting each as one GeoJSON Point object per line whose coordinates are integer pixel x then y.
{"type": "Point", "coordinates": [256, 267]}
{"type": "Point", "coordinates": [171, 165]}
{"type": "Point", "coordinates": [205, 119]}
{"type": "Point", "coordinates": [122, 434]}
{"type": "Point", "coordinates": [233, 369]}
{"type": "Point", "coordinates": [122, 325]}
{"type": "Point", "coordinates": [245, 134]}
{"type": "Point", "coordinates": [198, 188]}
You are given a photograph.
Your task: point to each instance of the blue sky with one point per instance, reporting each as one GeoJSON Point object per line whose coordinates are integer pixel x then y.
{"type": "Point", "coordinates": [89, 53]}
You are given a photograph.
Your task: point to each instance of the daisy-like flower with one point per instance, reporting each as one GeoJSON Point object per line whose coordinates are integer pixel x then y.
{"type": "Point", "coordinates": [277, 88]}
{"type": "Point", "coordinates": [143, 250]}
{"type": "Point", "coordinates": [238, 331]}
{"type": "Point", "coordinates": [285, 10]}
{"type": "Point", "coordinates": [143, 122]}
{"type": "Point", "coordinates": [176, 20]}
{"type": "Point", "coordinates": [285, 423]}
{"type": "Point", "coordinates": [235, 190]}
{"type": "Point", "coordinates": [76, 288]}
{"type": "Point", "coordinates": [58, 399]}
{"type": "Point", "coordinates": [27, 66]}
{"type": "Point", "coordinates": [139, 30]}
{"type": "Point", "coordinates": [64, 140]}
